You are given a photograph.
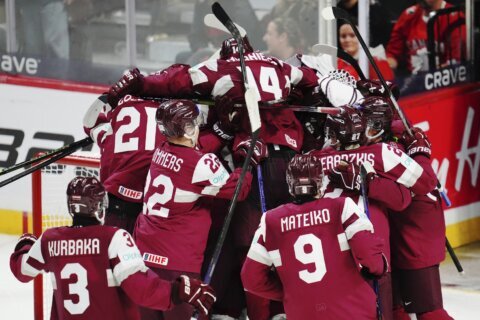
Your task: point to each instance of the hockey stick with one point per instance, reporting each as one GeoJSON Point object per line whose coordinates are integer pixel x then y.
{"type": "Point", "coordinates": [330, 13]}
{"type": "Point", "coordinates": [338, 52]}
{"type": "Point", "coordinates": [266, 105]}
{"type": "Point", "coordinates": [254, 116]}
{"type": "Point", "coordinates": [363, 191]}
{"type": "Point", "coordinates": [80, 144]}
{"type": "Point", "coordinates": [75, 145]}
{"type": "Point", "coordinates": [261, 190]}
{"type": "Point", "coordinates": [454, 257]}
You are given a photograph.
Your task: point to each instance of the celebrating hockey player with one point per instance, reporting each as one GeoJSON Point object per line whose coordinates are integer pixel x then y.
{"type": "Point", "coordinates": [97, 271]}
{"type": "Point", "coordinates": [127, 137]}
{"type": "Point", "coordinates": [315, 247]}
{"type": "Point", "coordinates": [181, 184]}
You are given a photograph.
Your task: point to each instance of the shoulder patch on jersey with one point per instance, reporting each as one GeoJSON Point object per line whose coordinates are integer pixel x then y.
{"type": "Point", "coordinates": [212, 65]}
{"type": "Point", "coordinates": [411, 10]}
{"type": "Point", "coordinates": [210, 169]}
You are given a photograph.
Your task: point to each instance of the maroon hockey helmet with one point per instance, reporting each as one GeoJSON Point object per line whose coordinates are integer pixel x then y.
{"type": "Point", "coordinates": [378, 115]}
{"type": "Point", "coordinates": [86, 197]}
{"type": "Point", "coordinates": [176, 117]}
{"type": "Point", "coordinates": [305, 176]}
{"type": "Point", "coordinates": [347, 127]}
{"type": "Point", "coordinates": [230, 47]}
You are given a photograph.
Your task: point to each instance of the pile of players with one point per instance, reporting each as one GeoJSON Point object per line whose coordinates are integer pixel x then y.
{"type": "Point", "coordinates": [169, 172]}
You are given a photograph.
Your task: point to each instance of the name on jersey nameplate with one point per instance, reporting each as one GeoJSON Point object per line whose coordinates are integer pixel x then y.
{"type": "Point", "coordinates": [129, 193]}
{"type": "Point", "coordinates": [153, 258]}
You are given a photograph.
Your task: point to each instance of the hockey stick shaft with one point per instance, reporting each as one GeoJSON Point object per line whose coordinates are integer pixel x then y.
{"type": "Point", "coordinates": [454, 257]}
{"type": "Point", "coordinates": [225, 19]}
{"type": "Point", "coordinates": [363, 191]}
{"type": "Point", "coordinates": [42, 157]}
{"type": "Point", "coordinates": [85, 142]}
{"type": "Point", "coordinates": [267, 105]}
{"type": "Point", "coordinates": [261, 190]}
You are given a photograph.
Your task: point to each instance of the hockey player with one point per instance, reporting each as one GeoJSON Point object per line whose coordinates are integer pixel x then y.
{"type": "Point", "coordinates": [418, 231]}
{"type": "Point", "coordinates": [385, 184]}
{"type": "Point", "coordinates": [418, 245]}
{"type": "Point", "coordinates": [97, 271]}
{"type": "Point", "coordinates": [127, 137]}
{"type": "Point", "coordinates": [181, 184]}
{"type": "Point", "coordinates": [308, 253]}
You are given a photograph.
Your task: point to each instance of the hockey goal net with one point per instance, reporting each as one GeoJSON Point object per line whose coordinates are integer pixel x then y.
{"type": "Point", "coordinates": [49, 209]}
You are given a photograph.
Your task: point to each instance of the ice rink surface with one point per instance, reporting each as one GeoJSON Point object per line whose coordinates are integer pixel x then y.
{"type": "Point", "coordinates": [461, 294]}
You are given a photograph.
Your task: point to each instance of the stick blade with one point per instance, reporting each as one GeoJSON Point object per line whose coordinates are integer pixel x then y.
{"type": "Point", "coordinates": [325, 49]}
{"type": "Point", "coordinates": [210, 20]}
{"type": "Point", "coordinates": [252, 108]}
{"type": "Point", "coordinates": [328, 14]}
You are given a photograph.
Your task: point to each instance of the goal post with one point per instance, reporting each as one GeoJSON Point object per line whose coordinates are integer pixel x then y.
{"type": "Point", "coordinates": [49, 209]}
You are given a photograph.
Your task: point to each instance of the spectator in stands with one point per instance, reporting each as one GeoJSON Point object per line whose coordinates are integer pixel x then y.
{"type": "Point", "coordinates": [283, 38]}
{"type": "Point", "coordinates": [202, 37]}
{"type": "Point", "coordinates": [407, 45]}
{"type": "Point", "coordinates": [380, 20]}
{"type": "Point", "coordinates": [349, 43]}
{"type": "Point", "coordinates": [45, 28]}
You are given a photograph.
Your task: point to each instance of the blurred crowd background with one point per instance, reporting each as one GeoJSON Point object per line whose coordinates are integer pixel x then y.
{"type": "Point", "coordinates": [96, 41]}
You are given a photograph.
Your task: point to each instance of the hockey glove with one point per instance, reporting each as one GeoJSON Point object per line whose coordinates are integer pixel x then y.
{"type": "Point", "coordinates": [260, 152]}
{"type": "Point", "coordinates": [194, 292]}
{"type": "Point", "coordinates": [228, 120]}
{"type": "Point", "coordinates": [417, 143]}
{"type": "Point", "coordinates": [25, 239]}
{"type": "Point", "coordinates": [346, 175]}
{"type": "Point", "coordinates": [375, 88]}
{"type": "Point", "coordinates": [130, 83]}
{"type": "Point", "coordinates": [367, 274]}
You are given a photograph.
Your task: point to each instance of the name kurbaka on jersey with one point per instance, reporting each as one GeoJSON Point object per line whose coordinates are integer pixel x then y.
{"type": "Point", "coordinates": [73, 247]}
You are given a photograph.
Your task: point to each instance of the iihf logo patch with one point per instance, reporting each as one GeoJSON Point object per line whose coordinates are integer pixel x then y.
{"type": "Point", "coordinates": [155, 259]}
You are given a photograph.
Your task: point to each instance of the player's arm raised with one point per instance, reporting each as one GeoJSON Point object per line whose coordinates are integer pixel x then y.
{"type": "Point", "coordinates": [26, 262]}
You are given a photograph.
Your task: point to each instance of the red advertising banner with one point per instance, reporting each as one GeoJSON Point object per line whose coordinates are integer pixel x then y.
{"type": "Point", "coordinates": [451, 118]}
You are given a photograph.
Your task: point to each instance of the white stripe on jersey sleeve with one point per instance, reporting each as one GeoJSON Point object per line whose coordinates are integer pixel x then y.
{"type": "Point", "coordinates": [222, 86]}
{"type": "Point", "coordinates": [295, 75]}
{"type": "Point", "coordinates": [131, 261]}
{"type": "Point", "coordinates": [392, 157]}
{"type": "Point", "coordinates": [104, 127]}
{"type": "Point", "coordinates": [257, 251]}
{"type": "Point", "coordinates": [185, 196]}
{"type": "Point", "coordinates": [343, 242]}
{"type": "Point", "coordinates": [360, 224]}
{"type": "Point", "coordinates": [36, 253]}
{"type": "Point", "coordinates": [197, 76]}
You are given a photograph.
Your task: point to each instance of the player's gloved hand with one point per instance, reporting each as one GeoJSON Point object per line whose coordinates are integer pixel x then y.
{"type": "Point", "coordinates": [228, 119]}
{"type": "Point", "coordinates": [375, 274]}
{"type": "Point", "coordinates": [194, 292]}
{"type": "Point", "coordinates": [25, 239]}
{"type": "Point", "coordinates": [130, 83]}
{"type": "Point", "coordinates": [417, 143]}
{"type": "Point", "coordinates": [260, 151]}
{"type": "Point", "coordinates": [345, 175]}
{"type": "Point", "coordinates": [375, 88]}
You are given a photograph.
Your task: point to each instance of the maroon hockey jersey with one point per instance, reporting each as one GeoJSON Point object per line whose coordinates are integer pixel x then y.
{"type": "Point", "coordinates": [127, 137]}
{"type": "Point", "coordinates": [270, 78]}
{"type": "Point", "coordinates": [97, 272]}
{"type": "Point", "coordinates": [313, 248]}
{"type": "Point", "coordinates": [173, 229]}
